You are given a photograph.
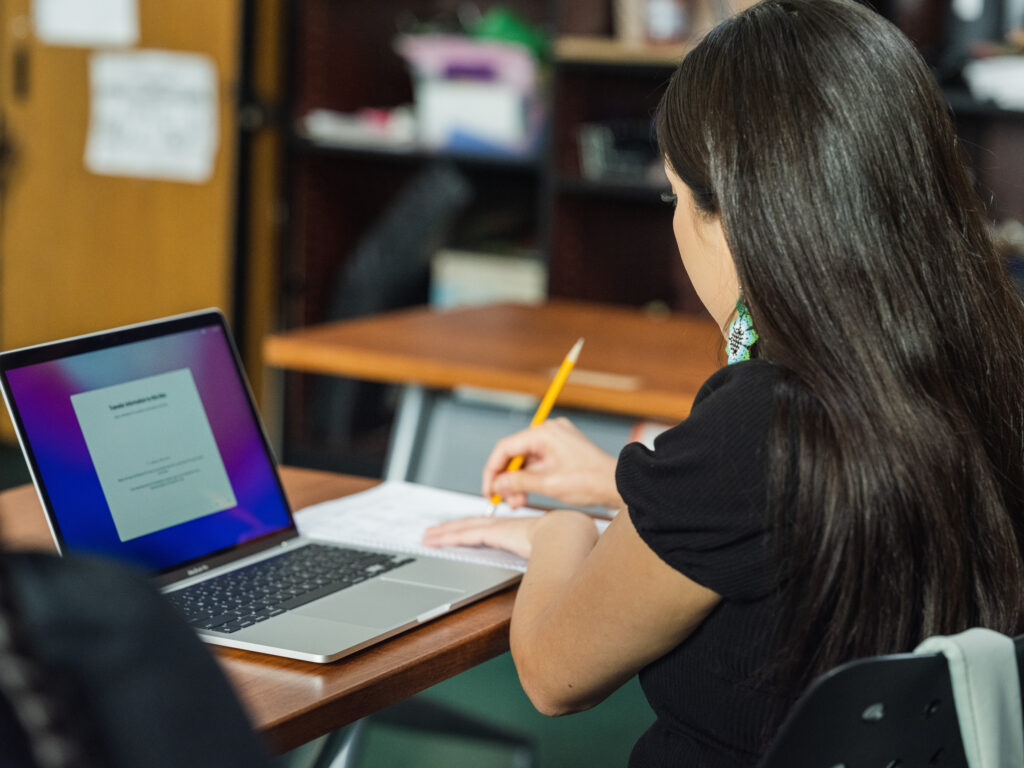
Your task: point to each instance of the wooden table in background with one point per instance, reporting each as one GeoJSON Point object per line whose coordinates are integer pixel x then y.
{"type": "Point", "coordinates": [633, 363]}
{"type": "Point", "coordinates": [292, 702]}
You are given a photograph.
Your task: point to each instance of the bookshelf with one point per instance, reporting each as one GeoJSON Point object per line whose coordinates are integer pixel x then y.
{"type": "Point", "coordinates": [605, 238]}
{"type": "Point", "coordinates": [599, 50]}
{"type": "Point", "coordinates": [342, 59]}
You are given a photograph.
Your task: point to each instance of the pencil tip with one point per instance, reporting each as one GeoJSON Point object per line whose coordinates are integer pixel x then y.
{"type": "Point", "coordinates": [574, 353]}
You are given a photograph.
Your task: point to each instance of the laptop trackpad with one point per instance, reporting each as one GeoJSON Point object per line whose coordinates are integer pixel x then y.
{"type": "Point", "coordinates": [380, 603]}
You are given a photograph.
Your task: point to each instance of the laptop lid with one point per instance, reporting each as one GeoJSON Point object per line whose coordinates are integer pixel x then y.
{"type": "Point", "coordinates": [145, 445]}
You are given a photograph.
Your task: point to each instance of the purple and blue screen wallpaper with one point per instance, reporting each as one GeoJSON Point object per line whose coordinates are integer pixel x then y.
{"type": "Point", "coordinates": [42, 395]}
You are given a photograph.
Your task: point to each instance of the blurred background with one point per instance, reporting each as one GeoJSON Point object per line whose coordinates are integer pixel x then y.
{"type": "Point", "coordinates": [297, 162]}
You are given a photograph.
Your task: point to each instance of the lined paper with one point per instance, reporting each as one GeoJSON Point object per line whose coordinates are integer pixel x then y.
{"type": "Point", "coordinates": [394, 515]}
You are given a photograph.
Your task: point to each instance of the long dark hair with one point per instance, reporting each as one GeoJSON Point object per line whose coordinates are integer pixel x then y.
{"type": "Point", "coordinates": [817, 133]}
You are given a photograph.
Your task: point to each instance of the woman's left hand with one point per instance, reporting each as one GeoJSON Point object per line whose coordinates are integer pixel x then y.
{"type": "Point", "coordinates": [514, 534]}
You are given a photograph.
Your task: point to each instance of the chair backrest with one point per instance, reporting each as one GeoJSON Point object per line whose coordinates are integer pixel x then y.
{"type": "Point", "coordinates": [892, 711]}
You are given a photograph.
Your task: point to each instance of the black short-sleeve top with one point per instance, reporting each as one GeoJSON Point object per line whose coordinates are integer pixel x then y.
{"type": "Point", "coordinates": [699, 502]}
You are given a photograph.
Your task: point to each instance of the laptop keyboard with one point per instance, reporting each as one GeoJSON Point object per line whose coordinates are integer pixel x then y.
{"type": "Point", "coordinates": [256, 592]}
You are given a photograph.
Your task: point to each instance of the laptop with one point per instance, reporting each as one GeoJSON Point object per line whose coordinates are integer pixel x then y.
{"type": "Point", "coordinates": [145, 445]}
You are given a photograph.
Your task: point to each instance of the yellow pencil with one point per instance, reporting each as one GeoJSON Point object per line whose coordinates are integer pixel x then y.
{"type": "Point", "coordinates": [544, 408]}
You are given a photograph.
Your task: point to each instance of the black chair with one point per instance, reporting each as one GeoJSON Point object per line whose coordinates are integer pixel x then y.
{"type": "Point", "coordinates": [893, 711]}
{"type": "Point", "coordinates": [389, 269]}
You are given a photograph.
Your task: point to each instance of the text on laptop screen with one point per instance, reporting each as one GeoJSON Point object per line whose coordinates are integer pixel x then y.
{"type": "Point", "coordinates": [149, 450]}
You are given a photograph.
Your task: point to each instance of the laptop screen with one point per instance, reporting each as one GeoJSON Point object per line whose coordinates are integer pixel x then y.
{"type": "Point", "coordinates": [145, 442]}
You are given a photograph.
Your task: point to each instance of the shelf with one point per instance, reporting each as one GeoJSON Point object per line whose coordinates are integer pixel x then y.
{"type": "Point", "coordinates": [965, 105]}
{"type": "Point", "coordinates": [527, 165]}
{"type": "Point", "coordinates": [607, 51]}
{"type": "Point", "coordinates": [639, 191]}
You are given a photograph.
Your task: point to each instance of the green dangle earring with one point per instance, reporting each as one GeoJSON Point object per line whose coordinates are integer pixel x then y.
{"type": "Point", "coordinates": [742, 335]}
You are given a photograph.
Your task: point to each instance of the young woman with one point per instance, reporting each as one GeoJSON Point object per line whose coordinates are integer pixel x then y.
{"type": "Point", "coordinates": [855, 485]}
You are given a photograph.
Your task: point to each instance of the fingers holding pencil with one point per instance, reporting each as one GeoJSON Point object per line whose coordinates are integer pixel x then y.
{"type": "Point", "coordinates": [543, 410]}
{"type": "Point", "coordinates": [507, 457]}
{"type": "Point", "coordinates": [559, 462]}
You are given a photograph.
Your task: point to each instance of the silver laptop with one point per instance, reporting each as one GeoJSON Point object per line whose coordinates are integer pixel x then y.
{"type": "Point", "coordinates": [145, 445]}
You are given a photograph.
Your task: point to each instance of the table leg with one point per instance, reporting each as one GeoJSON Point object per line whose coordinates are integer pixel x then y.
{"type": "Point", "coordinates": [407, 432]}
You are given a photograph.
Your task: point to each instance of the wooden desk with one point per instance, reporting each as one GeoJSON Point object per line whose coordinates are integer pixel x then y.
{"type": "Point", "coordinates": [632, 363]}
{"type": "Point", "coordinates": [292, 702]}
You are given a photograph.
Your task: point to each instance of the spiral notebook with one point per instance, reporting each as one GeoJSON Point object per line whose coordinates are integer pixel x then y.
{"type": "Point", "coordinates": [394, 515]}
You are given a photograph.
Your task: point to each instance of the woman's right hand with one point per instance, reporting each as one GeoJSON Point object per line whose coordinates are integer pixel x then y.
{"type": "Point", "coordinates": [559, 462]}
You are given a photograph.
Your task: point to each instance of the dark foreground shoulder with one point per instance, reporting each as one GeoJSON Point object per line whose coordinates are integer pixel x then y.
{"type": "Point", "coordinates": [151, 686]}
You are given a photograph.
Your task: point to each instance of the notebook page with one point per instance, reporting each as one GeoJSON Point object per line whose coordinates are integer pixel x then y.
{"type": "Point", "coordinates": [394, 515]}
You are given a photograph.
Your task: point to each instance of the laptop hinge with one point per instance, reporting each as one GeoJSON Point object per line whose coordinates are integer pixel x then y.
{"type": "Point", "coordinates": [204, 564]}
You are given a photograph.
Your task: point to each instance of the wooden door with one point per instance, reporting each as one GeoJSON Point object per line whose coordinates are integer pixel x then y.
{"type": "Point", "coordinates": [81, 251]}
